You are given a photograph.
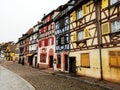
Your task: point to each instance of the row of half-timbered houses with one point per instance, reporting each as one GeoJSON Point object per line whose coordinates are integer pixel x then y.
{"type": "Point", "coordinates": [82, 37]}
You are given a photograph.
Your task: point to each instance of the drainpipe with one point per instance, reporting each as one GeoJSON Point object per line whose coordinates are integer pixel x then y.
{"type": "Point", "coordinates": [98, 27]}
{"type": "Point", "coordinates": [69, 47]}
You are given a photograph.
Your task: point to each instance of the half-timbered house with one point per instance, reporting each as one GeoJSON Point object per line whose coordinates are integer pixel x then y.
{"type": "Point", "coordinates": [46, 45]}
{"type": "Point", "coordinates": [110, 39]}
{"type": "Point", "coordinates": [62, 36]}
{"type": "Point", "coordinates": [94, 39]}
{"type": "Point", "coordinates": [84, 42]}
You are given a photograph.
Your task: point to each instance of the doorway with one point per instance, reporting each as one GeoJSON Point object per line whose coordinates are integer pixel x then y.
{"type": "Point", "coordinates": [72, 64]}
{"type": "Point", "coordinates": [51, 61]}
{"type": "Point", "coordinates": [66, 62]}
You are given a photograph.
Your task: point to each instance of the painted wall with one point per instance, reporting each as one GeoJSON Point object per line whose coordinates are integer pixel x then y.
{"type": "Point", "coordinates": [94, 70]}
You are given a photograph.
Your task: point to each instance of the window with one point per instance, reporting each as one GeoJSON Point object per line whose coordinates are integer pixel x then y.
{"type": "Point", "coordinates": [62, 23]}
{"type": "Point", "coordinates": [42, 43]}
{"type": "Point", "coordinates": [79, 13]}
{"type": "Point", "coordinates": [43, 58]}
{"type": "Point", "coordinates": [62, 40]}
{"type": "Point", "coordinates": [80, 35]}
{"type": "Point", "coordinates": [112, 2]}
{"type": "Point", "coordinates": [85, 62]}
{"type": "Point", "coordinates": [50, 41]}
{"type": "Point", "coordinates": [114, 58]}
{"type": "Point", "coordinates": [115, 26]}
{"type": "Point", "coordinates": [67, 38]}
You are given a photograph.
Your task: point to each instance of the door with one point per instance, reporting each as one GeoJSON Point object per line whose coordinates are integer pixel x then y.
{"type": "Point", "coordinates": [30, 60]}
{"type": "Point", "coordinates": [51, 61]}
{"type": "Point", "coordinates": [72, 64]}
{"type": "Point", "coordinates": [59, 61]}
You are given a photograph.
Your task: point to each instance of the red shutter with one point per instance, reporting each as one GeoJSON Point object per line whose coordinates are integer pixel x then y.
{"type": "Point", "coordinates": [52, 40]}
{"type": "Point", "coordinates": [46, 42]}
{"type": "Point", "coordinates": [42, 30]}
{"type": "Point", "coordinates": [47, 18]}
{"type": "Point", "coordinates": [39, 44]}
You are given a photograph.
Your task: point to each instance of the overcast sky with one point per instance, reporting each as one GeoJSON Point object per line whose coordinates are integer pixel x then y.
{"type": "Point", "coordinates": [17, 16]}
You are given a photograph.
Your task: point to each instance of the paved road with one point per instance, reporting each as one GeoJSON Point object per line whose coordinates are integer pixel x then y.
{"type": "Point", "coordinates": [46, 81]}
{"type": "Point", "coordinates": [11, 81]}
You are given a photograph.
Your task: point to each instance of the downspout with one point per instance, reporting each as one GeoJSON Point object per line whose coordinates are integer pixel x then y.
{"type": "Point", "coordinates": [69, 46]}
{"type": "Point", "coordinates": [98, 27]}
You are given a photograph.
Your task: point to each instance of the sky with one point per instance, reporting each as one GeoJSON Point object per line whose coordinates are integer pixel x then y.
{"type": "Point", "coordinates": [17, 16]}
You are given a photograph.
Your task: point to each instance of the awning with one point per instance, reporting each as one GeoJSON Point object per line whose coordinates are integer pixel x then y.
{"type": "Point", "coordinates": [29, 54]}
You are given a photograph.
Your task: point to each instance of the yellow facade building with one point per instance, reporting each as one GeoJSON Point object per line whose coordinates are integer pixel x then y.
{"type": "Point", "coordinates": [94, 39]}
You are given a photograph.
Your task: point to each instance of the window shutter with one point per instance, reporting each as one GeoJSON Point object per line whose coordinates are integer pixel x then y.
{"type": "Point", "coordinates": [39, 44]}
{"type": "Point", "coordinates": [118, 58]}
{"type": "Point", "coordinates": [85, 60]}
{"type": "Point", "coordinates": [112, 58]}
{"type": "Point", "coordinates": [42, 30]}
{"type": "Point", "coordinates": [105, 28]}
{"type": "Point", "coordinates": [74, 36]}
{"type": "Point", "coordinates": [73, 16]}
{"type": "Point", "coordinates": [86, 33]}
{"type": "Point", "coordinates": [104, 4]}
{"type": "Point", "coordinates": [52, 40]}
{"type": "Point", "coordinates": [46, 28]}
{"type": "Point", "coordinates": [46, 42]}
{"type": "Point", "coordinates": [84, 9]}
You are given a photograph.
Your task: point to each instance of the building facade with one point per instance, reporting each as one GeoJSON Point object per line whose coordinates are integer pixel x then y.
{"type": "Point", "coordinates": [94, 39]}
{"type": "Point", "coordinates": [62, 36]}
{"type": "Point", "coordinates": [33, 45]}
{"type": "Point", "coordinates": [46, 44]}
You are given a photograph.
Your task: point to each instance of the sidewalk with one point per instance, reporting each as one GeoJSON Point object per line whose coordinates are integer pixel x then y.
{"type": "Point", "coordinates": [11, 81]}
{"type": "Point", "coordinates": [93, 81]}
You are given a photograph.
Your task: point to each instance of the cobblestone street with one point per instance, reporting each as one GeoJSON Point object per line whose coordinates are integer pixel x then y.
{"type": "Point", "coordinates": [46, 81]}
